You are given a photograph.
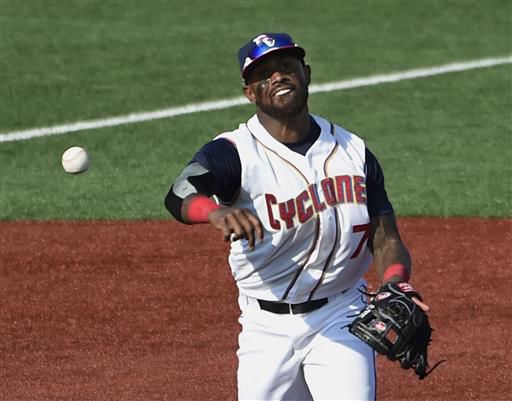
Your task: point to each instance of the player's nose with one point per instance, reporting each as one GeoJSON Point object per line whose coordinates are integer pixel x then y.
{"type": "Point", "coordinates": [276, 77]}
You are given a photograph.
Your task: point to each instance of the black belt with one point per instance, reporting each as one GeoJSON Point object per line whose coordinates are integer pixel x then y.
{"type": "Point", "coordinates": [282, 308]}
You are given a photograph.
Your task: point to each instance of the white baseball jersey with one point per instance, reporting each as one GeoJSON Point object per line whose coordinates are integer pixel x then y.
{"type": "Point", "coordinates": [313, 209]}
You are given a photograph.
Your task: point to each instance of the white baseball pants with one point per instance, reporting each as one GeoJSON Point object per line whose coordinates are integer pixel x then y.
{"type": "Point", "coordinates": [301, 357]}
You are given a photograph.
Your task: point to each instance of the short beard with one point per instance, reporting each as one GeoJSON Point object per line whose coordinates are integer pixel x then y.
{"type": "Point", "coordinates": [298, 104]}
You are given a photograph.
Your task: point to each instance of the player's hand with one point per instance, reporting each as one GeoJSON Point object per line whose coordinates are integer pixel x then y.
{"type": "Point", "coordinates": [237, 223]}
{"type": "Point", "coordinates": [422, 305]}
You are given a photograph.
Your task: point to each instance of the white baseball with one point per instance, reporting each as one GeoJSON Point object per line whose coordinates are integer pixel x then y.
{"type": "Point", "coordinates": [75, 160]}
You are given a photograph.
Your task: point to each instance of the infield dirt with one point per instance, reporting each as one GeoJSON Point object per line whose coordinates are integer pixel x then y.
{"type": "Point", "coordinates": [147, 311]}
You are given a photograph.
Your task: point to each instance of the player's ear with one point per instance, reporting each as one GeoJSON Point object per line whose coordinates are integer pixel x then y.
{"type": "Point", "coordinates": [249, 93]}
{"type": "Point", "coordinates": [307, 73]}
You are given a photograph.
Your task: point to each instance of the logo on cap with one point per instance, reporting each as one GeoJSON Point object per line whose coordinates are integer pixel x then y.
{"type": "Point", "coordinates": [263, 44]}
{"type": "Point", "coordinates": [267, 40]}
{"type": "Point", "coordinates": [247, 61]}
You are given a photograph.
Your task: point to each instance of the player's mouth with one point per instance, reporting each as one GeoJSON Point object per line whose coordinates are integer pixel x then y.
{"type": "Point", "coordinates": [282, 91]}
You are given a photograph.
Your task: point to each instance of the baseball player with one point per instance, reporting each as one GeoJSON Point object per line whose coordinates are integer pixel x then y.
{"type": "Point", "coordinates": [303, 203]}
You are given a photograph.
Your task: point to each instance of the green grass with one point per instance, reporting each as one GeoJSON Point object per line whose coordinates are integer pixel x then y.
{"type": "Point", "coordinates": [444, 142]}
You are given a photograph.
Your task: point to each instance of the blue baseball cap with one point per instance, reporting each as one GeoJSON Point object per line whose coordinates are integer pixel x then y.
{"type": "Point", "coordinates": [264, 44]}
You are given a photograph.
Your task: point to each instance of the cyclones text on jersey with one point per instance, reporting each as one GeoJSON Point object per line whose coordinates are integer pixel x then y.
{"type": "Point", "coordinates": [337, 190]}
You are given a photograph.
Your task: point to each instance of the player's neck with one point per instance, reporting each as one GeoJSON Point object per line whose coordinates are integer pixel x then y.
{"type": "Point", "coordinates": [287, 130]}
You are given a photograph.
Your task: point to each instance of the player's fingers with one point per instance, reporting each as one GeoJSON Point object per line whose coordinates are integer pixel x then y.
{"type": "Point", "coordinates": [253, 228]}
{"type": "Point", "coordinates": [218, 218]}
{"type": "Point", "coordinates": [233, 221]}
{"type": "Point", "coordinates": [256, 224]}
{"type": "Point", "coordinates": [226, 232]}
{"type": "Point", "coordinates": [247, 227]}
{"type": "Point", "coordinates": [422, 305]}
{"type": "Point", "coordinates": [236, 224]}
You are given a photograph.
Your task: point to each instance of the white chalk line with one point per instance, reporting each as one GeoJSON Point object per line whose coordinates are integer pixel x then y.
{"type": "Point", "coordinates": [238, 101]}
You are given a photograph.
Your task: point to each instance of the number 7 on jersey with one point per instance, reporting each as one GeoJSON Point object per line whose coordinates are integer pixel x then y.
{"type": "Point", "coordinates": [361, 228]}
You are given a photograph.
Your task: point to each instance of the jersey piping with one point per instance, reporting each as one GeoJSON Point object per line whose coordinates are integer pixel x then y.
{"type": "Point", "coordinates": [317, 219]}
{"type": "Point", "coordinates": [336, 238]}
{"type": "Point", "coordinates": [318, 215]}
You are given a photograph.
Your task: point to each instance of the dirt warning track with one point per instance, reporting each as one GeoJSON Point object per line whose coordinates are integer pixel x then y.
{"type": "Point", "coordinates": [147, 311]}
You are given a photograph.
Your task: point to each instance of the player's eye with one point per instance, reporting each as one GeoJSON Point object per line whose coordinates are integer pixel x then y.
{"type": "Point", "coordinates": [266, 73]}
{"type": "Point", "coordinates": [262, 74]}
{"type": "Point", "coordinates": [287, 66]}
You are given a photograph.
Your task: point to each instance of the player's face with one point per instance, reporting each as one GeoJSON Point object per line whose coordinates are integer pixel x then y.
{"type": "Point", "coordinates": [279, 86]}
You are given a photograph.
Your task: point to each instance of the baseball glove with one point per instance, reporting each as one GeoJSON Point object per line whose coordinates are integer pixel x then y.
{"type": "Point", "coordinates": [395, 326]}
